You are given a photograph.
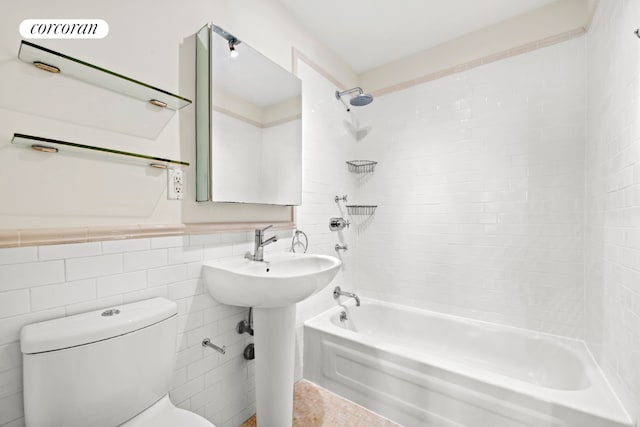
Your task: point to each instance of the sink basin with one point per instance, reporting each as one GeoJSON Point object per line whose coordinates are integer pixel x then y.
{"type": "Point", "coordinates": [283, 279]}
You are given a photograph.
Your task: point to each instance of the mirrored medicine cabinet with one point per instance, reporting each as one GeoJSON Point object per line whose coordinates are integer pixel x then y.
{"type": "Point", "coordinates": [248, 124]}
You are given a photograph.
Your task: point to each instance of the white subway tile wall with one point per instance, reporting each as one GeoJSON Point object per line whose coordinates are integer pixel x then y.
{"type": "Point", "coordinates": [613, 197]}
{"type": "Point", "coordinates": [93, 266]}
{"type": "Point", "coordinates": [328, 143]}
{"type": "Point", "coordinates": [480, 187]}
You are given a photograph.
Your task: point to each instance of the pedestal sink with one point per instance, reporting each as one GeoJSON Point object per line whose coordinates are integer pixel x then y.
{"type": "Point", "coordinates": [272, 287]}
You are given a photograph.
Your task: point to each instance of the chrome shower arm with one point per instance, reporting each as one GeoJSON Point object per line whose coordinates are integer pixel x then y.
{"type": "Point", "coordinates": [358, 100]}
{"type": "Point", "coordinates": [348, 91]}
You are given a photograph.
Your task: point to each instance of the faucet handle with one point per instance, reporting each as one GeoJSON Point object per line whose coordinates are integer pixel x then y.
{"type": "Point", "coordinates": [260, 231]}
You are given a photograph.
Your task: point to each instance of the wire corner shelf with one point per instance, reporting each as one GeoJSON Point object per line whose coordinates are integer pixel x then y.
{"type": "Point", "coordinates": [361, 209]}
{"type": "Point", "coordinates": [362, 166]}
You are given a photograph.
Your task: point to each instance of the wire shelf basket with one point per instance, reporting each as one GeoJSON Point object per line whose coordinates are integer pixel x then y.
{"type": "Point", "coordinates": [362, 166]}
{"type": "Point", "coordinates": [361, 209]}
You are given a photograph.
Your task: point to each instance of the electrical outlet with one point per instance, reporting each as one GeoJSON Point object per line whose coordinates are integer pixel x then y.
{"type": "Point", "coordinates": [175, 184]}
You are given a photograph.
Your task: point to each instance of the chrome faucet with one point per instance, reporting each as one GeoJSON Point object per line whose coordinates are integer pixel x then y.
{"type": "Point", "coordinates": [337, 292]}
{"type": "Point", "coordinates": [259, 244]}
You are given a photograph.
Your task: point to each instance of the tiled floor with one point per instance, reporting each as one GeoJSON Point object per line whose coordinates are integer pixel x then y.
{"type": "Point", "coordinates": [316, 407]}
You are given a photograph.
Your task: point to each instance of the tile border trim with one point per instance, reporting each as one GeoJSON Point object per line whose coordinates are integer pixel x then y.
{"type": "Point", "coordinates": [529, 47]}
{"type": "Point", "coordinates": [66, 235]}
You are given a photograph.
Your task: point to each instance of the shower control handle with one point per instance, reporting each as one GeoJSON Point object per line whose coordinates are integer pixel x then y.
{"type": "Point", "coordinates": [338, 224]}
{"type": "Point", "coordinates": [338, 198]}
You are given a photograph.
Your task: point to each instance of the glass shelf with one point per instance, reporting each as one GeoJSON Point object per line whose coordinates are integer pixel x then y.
{"type": "Point", "coordinates": [56, 62]}
{"type": "Point", "coordinates": [48, 145]}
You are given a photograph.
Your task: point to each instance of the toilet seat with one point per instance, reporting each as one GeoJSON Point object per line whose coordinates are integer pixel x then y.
{"type": "Point", "coordinates": [164, 414]}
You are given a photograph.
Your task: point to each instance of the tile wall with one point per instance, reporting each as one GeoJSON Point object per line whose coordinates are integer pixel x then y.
{"type": "Point", "coordinates": [328, 144]}
{"type": "Point", "coordinates": [613, 196]}
{"type": "Point", "coordinates": [40, 283]}
{"type": "Point", "coordinates": [480, 187]}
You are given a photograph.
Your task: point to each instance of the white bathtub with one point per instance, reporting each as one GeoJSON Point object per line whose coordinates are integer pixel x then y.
{"type": "Point", "coordinates": [420, 368]}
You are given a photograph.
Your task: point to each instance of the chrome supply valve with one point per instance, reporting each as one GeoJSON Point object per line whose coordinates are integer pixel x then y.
{"type": "Point", "coordinates": [338, 198]}
{"type": "Point", "coordinates": [249, 352]}
{"type": "Point", "coordinates": [338, 224]}
{"type": "Point", "coordinates": [246, 325]}
{"type": "Point", "coordinates": [339, 247]}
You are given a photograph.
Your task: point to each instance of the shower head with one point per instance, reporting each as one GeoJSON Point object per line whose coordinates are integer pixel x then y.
{"type": "Point", "coordinates": [359, 100]}
{"type": "Point", "coordinates": [362, 99]}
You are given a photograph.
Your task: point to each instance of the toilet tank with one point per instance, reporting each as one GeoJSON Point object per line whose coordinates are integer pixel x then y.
{"type": "Point", "coordinates": [99, 368]}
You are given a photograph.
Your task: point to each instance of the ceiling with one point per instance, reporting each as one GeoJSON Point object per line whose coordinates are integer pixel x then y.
{"type": "Point", "coordinates": [368, 33]}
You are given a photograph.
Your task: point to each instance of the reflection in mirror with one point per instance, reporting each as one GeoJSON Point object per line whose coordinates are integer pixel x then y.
{"type": "Point", "coordinates": [248, 124]}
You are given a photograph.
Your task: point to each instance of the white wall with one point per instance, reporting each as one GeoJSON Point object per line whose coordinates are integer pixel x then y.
{"type": "Point", "coordinates": [480, 192]}
{"type": "Point", "coordinates": [613, 197]}
{"type": "Point", "coordinates": [151, 41]}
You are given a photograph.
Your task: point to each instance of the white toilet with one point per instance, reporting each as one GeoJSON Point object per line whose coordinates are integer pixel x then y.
{"type": "Point", "coordinates": [105, 368]}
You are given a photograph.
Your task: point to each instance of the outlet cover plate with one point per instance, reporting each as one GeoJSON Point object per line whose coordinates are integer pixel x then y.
{"type": "Point", "coordinates": [175, 184]}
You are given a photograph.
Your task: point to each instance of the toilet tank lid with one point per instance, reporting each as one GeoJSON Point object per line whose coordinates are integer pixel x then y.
{"type": "Point", "coordinates": [94, 326]}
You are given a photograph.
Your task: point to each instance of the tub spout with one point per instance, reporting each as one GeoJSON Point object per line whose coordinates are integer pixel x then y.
{"type": "Point", "coordinates": [337, 292]}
